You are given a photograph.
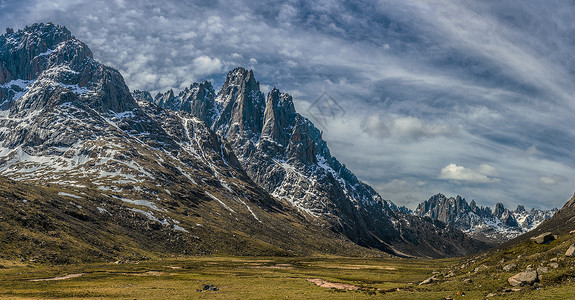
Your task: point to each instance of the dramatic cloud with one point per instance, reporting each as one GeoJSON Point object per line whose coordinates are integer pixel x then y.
{"type": "Point", "coordinates": [455, 172]}
{"type": "Point", "coordinates": [423, 83]}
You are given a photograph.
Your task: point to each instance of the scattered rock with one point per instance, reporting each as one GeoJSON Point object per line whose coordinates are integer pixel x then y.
{"type": "Point", "coordinates": [554, 265]}
{"type": "Point", "coordinates": [209, 287]}
{"type": "Point", "coordinates": [467, 280]}
{"type": "Point", "coordinates": [491, 295]}
{"type": "Point", "coordinates": [570, 251]}
{"type": "Point", "coordinates": [536, 285]}
{"type": "Point", "coordinates": [429, 280]}
{"type": "Point", "coordinates": [543, 238]}
{"type": "Point", "coordinates": [509, 267]}
{"type": "Point", "coordinates": [447, 298]}
{"type": "Point", "coordinates": [572, 232]}
{"type": "Point", "coordinates": [450, 274]}
{"type": "Point", "coordinates": [480, 268]}
{"type": "Point", "coordinates": [542, 270]}
{"type": "Point", "coordinates": [553, 259]}
{"type": "Point", "coordinates": [528, 277]}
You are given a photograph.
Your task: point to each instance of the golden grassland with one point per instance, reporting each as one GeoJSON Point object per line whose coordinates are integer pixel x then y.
{"type": "Point", "coordinates": [271, 278]}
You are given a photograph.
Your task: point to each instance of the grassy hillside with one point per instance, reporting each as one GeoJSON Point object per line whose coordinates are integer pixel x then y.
{"type": "Point", "coordinates": [63, 226]}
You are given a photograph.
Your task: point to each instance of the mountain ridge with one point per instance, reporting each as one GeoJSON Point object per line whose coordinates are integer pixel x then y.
{"type": "Point", "coordinates": [70, 122]}
{"type": "Point", "coordinates": [285, 154]}
{"type": "Point", "coordinates": [495, 226]}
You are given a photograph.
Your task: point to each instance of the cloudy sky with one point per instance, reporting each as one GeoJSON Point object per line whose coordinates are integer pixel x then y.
{"type": "Point", "coordinates": [441, 96]}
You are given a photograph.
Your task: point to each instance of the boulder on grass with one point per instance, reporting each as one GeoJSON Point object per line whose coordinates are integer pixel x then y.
{"type": "Point", "coordinates": [543, 238]}
{"type": "Point", "coordinates": [509, 267]}
{"type": "Point", "coordinates": [528, 277]}
{"type": "Point", "coordinates": [570, 251]}
{"type": "Point", "coordinates": [429, 280]}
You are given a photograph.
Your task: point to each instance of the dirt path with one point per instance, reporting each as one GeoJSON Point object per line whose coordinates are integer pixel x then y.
{"type": "Point", "coordinates": [59, 278]}
{"type": "Point", "coordinates": [333, 285]}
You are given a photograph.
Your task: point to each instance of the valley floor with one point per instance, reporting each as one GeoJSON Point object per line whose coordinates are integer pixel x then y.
{"type": "Point", "coordinates": [257, 278]}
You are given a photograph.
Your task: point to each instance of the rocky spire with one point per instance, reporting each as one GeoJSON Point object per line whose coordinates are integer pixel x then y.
{"type": "Point", "coordinates": [499, 210]}
{"type": "Point", "coordinates": [279, 117]}
{"type": "Point", "coordinates": [242, 106]}
{"type": "Point", "coordinates": [199, 100]}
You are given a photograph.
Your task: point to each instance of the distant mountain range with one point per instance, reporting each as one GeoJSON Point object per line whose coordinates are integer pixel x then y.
{"type": "Point", "coordinates": [233, 171]}
{"type": "Point", "coordinates": [480, 222]}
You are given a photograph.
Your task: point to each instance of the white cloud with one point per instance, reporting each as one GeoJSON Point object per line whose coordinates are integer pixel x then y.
{"type": "Point", "coordinates": [460, 173]}
{"type": "Point", "coordinates": [206, 65]}
{"type": "Point", "coordinates": [553, 180]}
{"type": "Point", "coordinates": [487, 170]}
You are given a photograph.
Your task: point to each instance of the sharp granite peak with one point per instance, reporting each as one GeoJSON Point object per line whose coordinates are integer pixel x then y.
{"type": "Point", "coordinates": [202, 171]}
{"type": "Point", "coordinates": [480, 222]}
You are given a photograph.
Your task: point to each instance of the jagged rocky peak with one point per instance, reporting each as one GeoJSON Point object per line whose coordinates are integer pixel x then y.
{"type": "Point", "coordinates": [45, 65]}
{"type": "Point", "coordinates": [481, 222]}
{"type": "Point", "coordinates": [242, 106]}
{"type": "Point", "coordinates": [285, 154]}
{"type": "Point", "coordinates": [198, 99]}
{"type": "Point", "coordinates": [442, 208]}
{"type": "Point", "coordinates": [22, 51]}
{"type": "Point", "coordinates": [142, 96]}
{"type": "Point", "coordinates": [499, 210]}
{"type": "Point", "coordinates": [240, 80]}
{"type": "Point", "coordinates": [520, 209]}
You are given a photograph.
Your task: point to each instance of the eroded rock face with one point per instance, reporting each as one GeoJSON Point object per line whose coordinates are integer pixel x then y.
{"type": "Point", "coordinates": [528, 277]}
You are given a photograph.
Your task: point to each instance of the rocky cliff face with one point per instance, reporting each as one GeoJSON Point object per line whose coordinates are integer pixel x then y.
{"type": "Point", "coordinates": [284, 153]}
{"type": "Point", "coordinates": [494, 226]}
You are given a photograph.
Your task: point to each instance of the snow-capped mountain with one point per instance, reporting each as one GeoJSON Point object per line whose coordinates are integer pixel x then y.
{"type": "Point", "coordinates": [284, 153]}
{"type": "Point", "coordinates": [481, 222]}
{"type": "Point", "coordinates": [161, 179]}
{"type": "Point", "coordinates": [192, 173]}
